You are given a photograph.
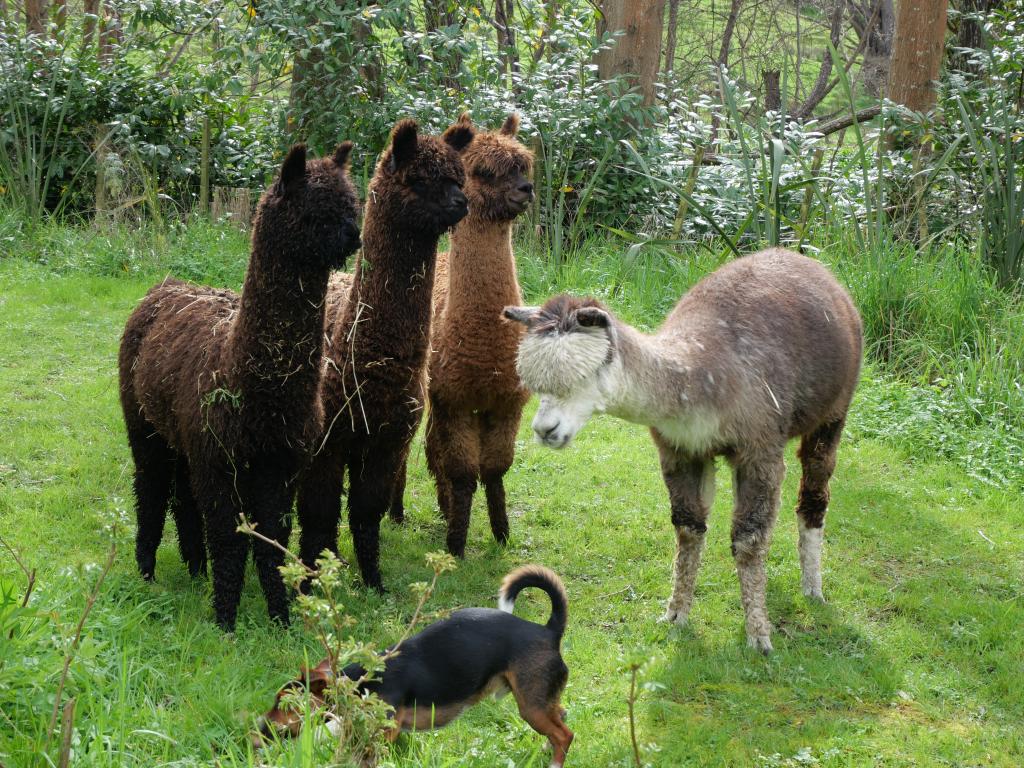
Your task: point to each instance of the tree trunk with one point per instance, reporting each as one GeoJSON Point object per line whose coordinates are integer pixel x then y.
{"type": "Point", "coordinates": [110, 31]}
{"type": "Point", "coordinates": [636, 53]}
{"type": "Point", "coordinates": [91, 9]}
{"type": "Point", "coordinates": [504, 13]}
{"type": "Point", "coordinates": [875, 19]}
{"type": "Point", "coordinates": [970, 32]}
{"type": "Point", "coordinates": [917, 53]}
{"type": "Point", "coordinates": [60, 17]}
{"type": "Point", "coordinates": [35, 13]}
{"type": "Point", "coordinates": [670, 43]}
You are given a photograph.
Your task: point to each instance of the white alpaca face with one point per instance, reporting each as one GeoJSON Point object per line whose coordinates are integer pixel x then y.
{"type": "Point", "coordinates": [566, 371]}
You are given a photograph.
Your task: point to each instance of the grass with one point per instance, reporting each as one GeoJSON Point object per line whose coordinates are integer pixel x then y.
{"type": "Point", "coordinates": [915, 660]}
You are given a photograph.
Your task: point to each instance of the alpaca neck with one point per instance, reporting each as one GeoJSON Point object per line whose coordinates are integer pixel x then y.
{"type": "Point", "coordinates": [276, 338]}
{"type": "Point", "coordinates": [481, 269]}
{"type": "Point", "coordinates": [651, 383]}
{"type": "Point", "coordinates": [390, 302]}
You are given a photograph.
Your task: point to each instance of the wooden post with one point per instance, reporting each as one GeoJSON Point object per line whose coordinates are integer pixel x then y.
{"type": "Point", "coordinates": [204, 169]}
{"type": "Point", "coordinates": [691, 183]}
{"type": "Point", "coordinates": [100, 155]}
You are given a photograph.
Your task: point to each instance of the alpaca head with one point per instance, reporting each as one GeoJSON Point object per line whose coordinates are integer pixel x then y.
{"type": "Point", "coordinates": [311, 209]}
{"type": "Point", "coordinates": [419, 178]}
{"type": "Point", "coordinates": [565, 357]}
{"type": "Point", "coordinates": [498, 170]}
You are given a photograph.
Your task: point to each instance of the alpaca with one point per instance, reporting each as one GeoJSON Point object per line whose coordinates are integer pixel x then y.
{"type": "Point", "coordinates": [373, 384]}
{"type": "Point", "coordinates": [476, 399]}
{"type": "Point", "coordinates": [763, 350]}
{"type": "Point", "coordinates": [220, 392]}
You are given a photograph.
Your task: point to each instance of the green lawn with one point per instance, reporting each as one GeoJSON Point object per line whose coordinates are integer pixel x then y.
{"type": "Point", "coordinates": [915, 660]}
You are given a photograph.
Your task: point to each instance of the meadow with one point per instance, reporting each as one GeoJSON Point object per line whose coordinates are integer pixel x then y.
{"type": "Point", "coordinates": [914, 660]}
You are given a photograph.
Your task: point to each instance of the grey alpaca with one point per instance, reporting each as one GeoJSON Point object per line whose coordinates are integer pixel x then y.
{"type": "Point", "coordinates": [765, 349]}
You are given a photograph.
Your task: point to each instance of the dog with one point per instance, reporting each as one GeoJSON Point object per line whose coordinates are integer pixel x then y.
{"type": "Point", "coordinates": [450, 665]}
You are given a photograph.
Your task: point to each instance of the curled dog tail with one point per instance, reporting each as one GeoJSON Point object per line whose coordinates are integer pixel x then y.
{"type": "Point", "coordinates": [542, 578]}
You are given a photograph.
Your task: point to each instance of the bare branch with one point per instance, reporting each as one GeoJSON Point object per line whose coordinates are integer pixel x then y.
{"type": "Point", "coordinates": [821, 86]}
{"type": "Point", "coordinates": [70, 655]}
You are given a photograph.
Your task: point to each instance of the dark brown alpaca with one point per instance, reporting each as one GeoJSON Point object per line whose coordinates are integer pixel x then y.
{"type": "Point", "coordinates": [373, 384]}
{"type": "Point", "coordinates": [220, 392]}
{"type": "Point", "coordinates": [765, 349]}
{"type": "Point", "coordinates": [476, 399]}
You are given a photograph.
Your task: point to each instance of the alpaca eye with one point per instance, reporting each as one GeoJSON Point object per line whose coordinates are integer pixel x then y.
{"type": "Point", "coordinates": [483, 173]}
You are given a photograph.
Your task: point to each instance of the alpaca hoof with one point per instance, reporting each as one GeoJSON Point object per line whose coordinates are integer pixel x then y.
{"type": "Point", "coordinates": [147, 567]}
{"type": "Point", "coordinates": [397, 514]}
{"type": "Point", "coordinates": [760, 643]}
{"type": "Point", "coordinates": [226, 625]}
{"type": "Point", "coordinates": [674, 616]}
{"type": "Point", "coordinates": [814, 594]}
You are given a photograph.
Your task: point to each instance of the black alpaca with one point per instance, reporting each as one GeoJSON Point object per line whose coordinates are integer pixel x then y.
{"type": "Point", "coordinates": [374, 387]}
{"type": "Point", "coordinates": [220, 392]}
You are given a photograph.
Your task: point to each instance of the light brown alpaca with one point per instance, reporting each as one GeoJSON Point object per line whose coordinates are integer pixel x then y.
{"type": "Point", "coordinates": [476, 398]}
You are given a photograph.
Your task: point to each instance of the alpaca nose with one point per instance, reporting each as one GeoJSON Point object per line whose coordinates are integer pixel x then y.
{"type": "Point", "coordinates": [458, 198]}
{"type": "Point", "coordinates": [547, 434]}
{"type": "Point", "coordinates": [526, 188]}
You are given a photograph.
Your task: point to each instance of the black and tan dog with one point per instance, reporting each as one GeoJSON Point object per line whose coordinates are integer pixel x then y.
{"type": "Point", "coordinates": [454, 663]}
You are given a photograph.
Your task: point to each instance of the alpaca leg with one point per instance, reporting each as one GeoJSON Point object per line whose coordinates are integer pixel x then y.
{"type": "Point", "coordinates": [453, 451]}
{"type": "Point", "coordinates": [319, 508]}
{"type": "Point", "coordinates": [268, 503]}
{"type": "Point", "coordinates": [434, 449]}
{"type": "Point", "coordinates": [154, 477]}
{"type": "Point", "coordinates": [228, 549]}
{"type": "Point", "coordinates": [497, 451]}
{"type": "Point", "coordinates": [818, 457]}
{"type": "Point", "coordinates": [371, 480]}
{"type": "Point", "coordinates": [758, 484]}
{"type": "Point", "coordinates": [188, 521]}
{"type": "Point", "coordinates": [691, 491]}
{"type": "Point", "coordinates": [396, 511]}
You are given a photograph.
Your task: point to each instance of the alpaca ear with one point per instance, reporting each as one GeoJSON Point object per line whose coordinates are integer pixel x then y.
{"type": "Point", "coordinates": [511, 125]}
{"type": "Point", "coordinates": [592, 317]}
{"type": "Point", "coordinates": [465, 119]}
{"type": "Point", "coordinates": [459, 136]}
{"type": "Point", "coordinates": [404, 140]}
{"type": "Point", "coordinates": [293, 170]}
{"type": "Point", "coordinates": [522, 315]}
{"type": "Point", "coordinates": [342, 155]}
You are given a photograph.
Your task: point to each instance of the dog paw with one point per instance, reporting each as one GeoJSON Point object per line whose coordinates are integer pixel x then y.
{"type": "Point", "coordinates": [760, 643]}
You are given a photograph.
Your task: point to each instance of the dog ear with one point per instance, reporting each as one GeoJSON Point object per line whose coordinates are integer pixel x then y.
{"type": "Point", "coordinates": [459, 135]}
{"type": "Point", "coordinates": [592, 317]}
{"type": "Point", "coordinates": [524, 315]}
{"type": "Point", "coordinates": [316, 681]}
{"type": "Point", "coordinates": [293, 169]}
{"type": "Point", "coordinates": [511, 125]}
{"type": "Point", "coordinates": [404, 140]}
